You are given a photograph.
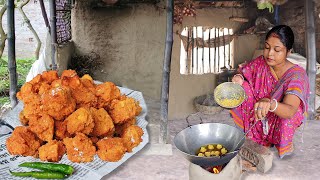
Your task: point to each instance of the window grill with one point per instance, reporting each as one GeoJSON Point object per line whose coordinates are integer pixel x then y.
{"type": "Point", "coordinates": [206, 50]}
{"type": "Point", "coordinates": [63, 15]}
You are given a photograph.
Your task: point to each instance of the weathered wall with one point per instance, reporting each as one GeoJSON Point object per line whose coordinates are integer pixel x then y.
{"type": "Point", "coordinates": [184, 88]}
{"type": "Point", "coordinates": [293, 14]}
{"type": "Point", "coordinates": [129, 41]}
{"type": "Point", "coordinates": [64, 53]}
{"type": "Point", "coordinates": [131, 44]}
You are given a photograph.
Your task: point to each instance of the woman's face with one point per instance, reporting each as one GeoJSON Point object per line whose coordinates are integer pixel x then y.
{"type": "Point", "coordinates": [275, 52]}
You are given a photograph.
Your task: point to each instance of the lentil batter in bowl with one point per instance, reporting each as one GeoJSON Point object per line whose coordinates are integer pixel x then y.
{"type": "Point", "coordinates": [229, 95]}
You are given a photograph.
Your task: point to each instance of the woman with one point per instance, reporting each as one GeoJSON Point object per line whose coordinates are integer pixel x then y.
{"type": "Point", "coordinates": [277, 92]}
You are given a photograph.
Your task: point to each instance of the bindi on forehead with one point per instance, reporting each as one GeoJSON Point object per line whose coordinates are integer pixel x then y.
{"type": "Point", "coordinates": [275, 35]}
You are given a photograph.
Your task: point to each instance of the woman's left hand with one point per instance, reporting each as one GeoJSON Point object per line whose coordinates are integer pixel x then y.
{"type": "Point", "coordinates": [261, 108]}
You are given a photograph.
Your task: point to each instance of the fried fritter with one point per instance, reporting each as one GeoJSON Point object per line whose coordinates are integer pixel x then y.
{"type": "Point", "coordinates": [111, 149]}
{"type": "Point", "coordinates": [31, 101]}
{"type": "Point", "coordinates": [87, 77]}
{"type": "Point", "coordinates": [36, 83]}
{"type": "Point", "coordinates": [132, 137]}
{"type": "Point", "coordinates": [70, 78]}
{"type": "Point", "coordinates": [103, 125]}
{"type": "Point", "coordinates": [69, 73]}
{"type": "Point", "coordinates": [80, 121]}
{"type": "Point", "coordinates": [80, 148]}
{"type": "Point", "coordinates": [138, 107]}
{"type": "Point", "coordinates": [56, 83]}
{"type": "Point", "coordinates": [32, 106]}
{"type": "Point", "coordinates": [23, 142]}
{"type": "Point", "coordinates": [123, 110]}
{"type": "Point", "coordinates": [106, 93]}
{"type": "Point", "coordinates": [44, 88]}
{"type": "Point", "coordinates": [61, 130]}
{"type": "Point", "coordinates": [52, 151]}
{"type": "Point", "coordinates": [94, 140]}
{"type": "Point", "coordinates": [23, 119]}
{"type": "Point", "coordinates": [50, 76]}
{"type": "Point", "coordinates": [87, 81]}
{"type": "Point", "coordinates": [25, 90]}
{"type": "Point", "coordinates": [42, 127]}
{"type": "Point", "coordinates": [121, 127]}
{"type": "Point", "coordinates": [84, 96]}
{"type": "Point", "coordinates": [58, 102]}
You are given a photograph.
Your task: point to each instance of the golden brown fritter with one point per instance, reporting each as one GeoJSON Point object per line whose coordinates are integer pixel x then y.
{"type": "Point", "coordinates": [123, 110]}
{"type": "Point", "coordinates": [24, 121]}
{"type": "Point", "coordinates": [42, 127]}
{"type": "Point", "coordinates": [84, 96]}
{"type": "Point", "coordinates": [132, 137]}
{"type": "Point", "coordinates": [70, 78]}
{"type": "Point", "coordinates": [69, 73]}
{"type": "Point", "coordinates": [61, 130]}
{"type": "Point", "coordinates": [23, 142]}
{"type": "Point", "coordinates": [52, 151]}
{"type": "Point", "coordinates": [138, 107]}
{"type": "Point", "coordinates": [36, 83]}
{"type": "Point", "coordinates": [56, 83]}
{"type": "Point", "coordinates": [32, 107]}
{"type": "Point", "coordinates": [58, 102]}
{"type": "Point", "coordinates": [107, 91]}
{"type": "Point", "coordinates": [25, 90]}
{"type": "Point", "coordinates": [94, 140]}
{"type": "Point", "coordinates": [80, 121]}
{"type": "Point", "coordinates": [80, 148]}
{"type": "Point", "coordinates": [87, 81]}
{"type": "Point", "coordinates": [49, 76]}
{"type": "Point", "coordinates": [31, 101]}
{"type": "Point", "coordinates": [87, 77]}
{"type": "Point", "coordinates": [111, 149]}
{"type": "Point", "coordinates": [121, 127]}
{"type": "Point", "coordinates": [103, 125]}
{"type": "Point", "coordinates": [44, 88]}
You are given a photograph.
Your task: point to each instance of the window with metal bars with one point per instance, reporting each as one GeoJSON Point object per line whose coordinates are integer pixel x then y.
{"type": "Point", "coordinates": [206, 50]}
{"type": "Point", "coordinates": [63, 15]}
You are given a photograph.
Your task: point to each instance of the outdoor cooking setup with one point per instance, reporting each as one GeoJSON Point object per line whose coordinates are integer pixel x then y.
{"type": "Point", "coordinates": [189, 140]}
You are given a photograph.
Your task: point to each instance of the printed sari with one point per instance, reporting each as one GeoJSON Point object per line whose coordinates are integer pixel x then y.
{"type": "Point", "coordinates": [261, 83]}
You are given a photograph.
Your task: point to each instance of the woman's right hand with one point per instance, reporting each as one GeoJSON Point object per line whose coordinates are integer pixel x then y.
{"type": "Point", "coordinates": [238, 78]}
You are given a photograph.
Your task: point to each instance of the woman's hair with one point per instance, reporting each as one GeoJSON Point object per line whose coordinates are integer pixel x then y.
{"type": "Point", "coordinates": [284, 33]}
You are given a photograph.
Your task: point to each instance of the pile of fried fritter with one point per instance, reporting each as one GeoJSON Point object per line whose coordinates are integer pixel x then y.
{"type": "Point", "coordinates": [73, 115]}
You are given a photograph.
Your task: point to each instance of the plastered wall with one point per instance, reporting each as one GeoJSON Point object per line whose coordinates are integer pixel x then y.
{"type": "Point", "coordinates": [131, 44]}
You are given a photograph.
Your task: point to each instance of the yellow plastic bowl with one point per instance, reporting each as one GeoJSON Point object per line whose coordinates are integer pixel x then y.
{"type": "Point", "coordinates": [229, 95]}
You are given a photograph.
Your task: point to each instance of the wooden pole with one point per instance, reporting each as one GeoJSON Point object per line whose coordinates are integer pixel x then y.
{"type": "Point", "coordinates": [166, 75]}
{"type": "Point", "coordinates": [12, 54]}
{"type": "Point", "coordinates": [311, 55]}
{"type": "Point", "coordinates": [53, 27]}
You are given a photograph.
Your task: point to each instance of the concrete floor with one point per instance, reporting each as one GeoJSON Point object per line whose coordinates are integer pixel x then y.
{"type": "Point", "coordinates": [304, 163]}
